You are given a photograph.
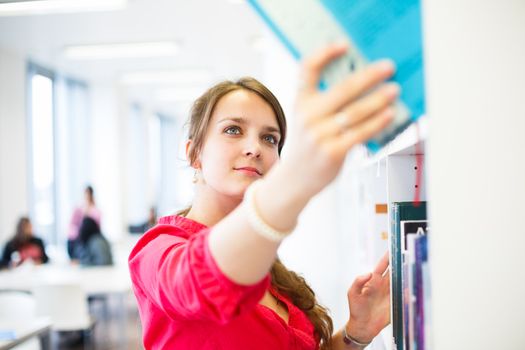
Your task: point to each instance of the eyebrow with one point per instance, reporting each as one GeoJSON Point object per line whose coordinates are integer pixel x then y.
{"type": "Point", "coordinates": [241, 120]}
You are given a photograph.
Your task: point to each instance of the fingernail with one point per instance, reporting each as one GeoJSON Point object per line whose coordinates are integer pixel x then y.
{"type": "Point", "coordinates": [387, 66]}
{"type": "Point", "coordinates": [388, 113]}
{"type": "Point", "coordinates": [391, 90]}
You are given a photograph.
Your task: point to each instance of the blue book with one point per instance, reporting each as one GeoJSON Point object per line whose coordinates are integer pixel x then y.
{"type": "Point", "coordinates": [374, 29]}
{"type": "Point", "coordinates": [421, 259]}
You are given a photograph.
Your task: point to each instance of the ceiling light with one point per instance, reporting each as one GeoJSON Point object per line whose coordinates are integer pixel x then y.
{"type": "Point", "coordinates": [182, 76]}
{"type": "Point", "coordinates": [42, 7]}
{"type": "Point", "coordinates": [128, 50]}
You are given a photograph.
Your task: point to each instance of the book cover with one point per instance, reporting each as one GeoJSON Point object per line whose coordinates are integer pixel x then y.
{"type": "Point", "coordinates": [374, 29]}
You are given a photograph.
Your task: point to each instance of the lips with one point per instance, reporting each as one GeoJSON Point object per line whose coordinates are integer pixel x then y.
{"type": "Point", "coordinates": [250, 169]}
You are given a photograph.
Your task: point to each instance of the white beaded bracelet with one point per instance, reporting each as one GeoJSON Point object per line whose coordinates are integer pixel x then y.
{"type": "Point", "coordinates": [348, 340]}
{"type": "Point", "coordinates": [255, 220]}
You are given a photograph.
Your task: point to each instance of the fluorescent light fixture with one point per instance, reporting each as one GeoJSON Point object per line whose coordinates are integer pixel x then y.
{"type": "Point", "coordinates": [125, 50]}
{"type": "Point", "coordinates": [43, 7]}
{"type": "Point", "coordinates": [169, 77]}
{"type": "Point", "coordinates": [178, 94]}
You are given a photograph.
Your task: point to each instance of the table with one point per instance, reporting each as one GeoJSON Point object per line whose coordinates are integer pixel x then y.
{"type": "Point", "coordinates": [99, 280]}
{"type": "Point", "coordinates": [39, 327]}
{"type": "Point", "coordinates": [95, 281]}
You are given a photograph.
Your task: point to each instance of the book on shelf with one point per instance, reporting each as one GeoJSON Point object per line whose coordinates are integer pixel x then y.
{"type": "Point", "coordinates": [411, 236]}
{"type": "Point", "coordinates": [373, 29]}
{"type": "Point", "coordinates": [408, 226]}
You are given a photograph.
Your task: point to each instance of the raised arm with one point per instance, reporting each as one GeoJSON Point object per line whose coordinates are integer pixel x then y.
{"type": "Point", "coordinates": [330, 123]}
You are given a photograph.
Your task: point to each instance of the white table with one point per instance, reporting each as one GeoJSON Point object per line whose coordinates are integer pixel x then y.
{"type": "Point", "coordinates": [39, 327]}
{"type": "Point", "coordinates": [102, 280]}
{"type": "Point", "coordinates": [95, 281]}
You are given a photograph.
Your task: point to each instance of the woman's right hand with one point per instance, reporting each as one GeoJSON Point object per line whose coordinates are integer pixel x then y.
{"type": "Point", "coordinates": [330, 123]}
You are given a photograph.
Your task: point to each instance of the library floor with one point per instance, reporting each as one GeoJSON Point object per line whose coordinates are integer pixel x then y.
{"type": "Point", "coordinates": [117, 327]}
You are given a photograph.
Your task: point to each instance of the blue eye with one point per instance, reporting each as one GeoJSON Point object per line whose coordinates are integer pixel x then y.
{"type": "Point", "coordinates": [271, 139]}
{"type": "Point", "coordinates": [233, 130]}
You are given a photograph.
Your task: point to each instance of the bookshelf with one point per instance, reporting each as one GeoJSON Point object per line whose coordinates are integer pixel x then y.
{"type": "Point", "coordinates": [474, 175]}
{"type": "Point", "coordinates": [370, 183]}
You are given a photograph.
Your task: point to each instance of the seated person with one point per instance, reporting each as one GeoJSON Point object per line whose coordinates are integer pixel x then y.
{"type": "Point", "coordinates": [143, 227]}
{"type": "Point", "coordinates": [24, 246]}
{"type": "Point", "coordinates": [89, 209]}
{"type": "Point", "coordinates": [92, 248]}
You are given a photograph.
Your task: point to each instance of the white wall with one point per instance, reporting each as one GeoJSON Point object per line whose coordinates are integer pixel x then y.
{"type": "Point", "coordinates": [13, 143]}
{"type": "Point", "coordinates": [475, 76]}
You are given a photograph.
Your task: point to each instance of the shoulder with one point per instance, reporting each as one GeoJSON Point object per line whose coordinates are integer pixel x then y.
{"type": "Point", "coordinates": [10, 245]}
{"type": "Point", "coordinates": [170, 229]}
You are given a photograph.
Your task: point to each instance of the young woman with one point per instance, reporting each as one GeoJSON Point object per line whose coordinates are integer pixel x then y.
{"type": "Point", "coordinates": [24, 246]}
{"type": "Point", "coordinates": [88, 209]}
{"type": "Point", "coordinates": [209, 278]}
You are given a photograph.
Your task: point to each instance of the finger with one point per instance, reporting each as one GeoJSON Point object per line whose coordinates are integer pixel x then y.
{"type": "Point", "coordinates": [382, 265]}
{"type": "Point", "coordinates": [313, 66]}
{"type": "Point", "coordinates": [357, 112]}
{"type": "Point", "coordinates": [360, 282]}
{"type": "Point", "coordinates": [386, 276]}
{"type": "Point", "coordinates": [365, 130]}
{"type": "Point", "coordinates": [357, 84]}
{"type": "Point", "coordinates": [369, 105]}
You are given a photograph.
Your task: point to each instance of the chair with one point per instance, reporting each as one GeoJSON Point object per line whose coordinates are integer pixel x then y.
{"type": "Point", "coordinates": [67, 306]}
{"type": "Point", "coordinates": [19, 307]}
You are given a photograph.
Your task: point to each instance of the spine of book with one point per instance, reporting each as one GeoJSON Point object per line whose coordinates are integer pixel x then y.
{"type": "Point", "coordinates": [426, 305]}
{"type": "Point", "coordinates": [421, 246]}
{"type": "Point", "coordinates": [412, 287]}
{"type": "Point", "coordinates": [397, 297]}
{"type": "Point", "coordinates": [406, 301]}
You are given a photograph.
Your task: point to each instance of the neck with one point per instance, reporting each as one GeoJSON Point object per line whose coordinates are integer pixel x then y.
{"type": "Point", "coordinates": [209, 207]}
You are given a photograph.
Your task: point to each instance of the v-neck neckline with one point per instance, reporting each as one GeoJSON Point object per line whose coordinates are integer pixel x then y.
{"type": "Point", "coordinates": [284, 303]}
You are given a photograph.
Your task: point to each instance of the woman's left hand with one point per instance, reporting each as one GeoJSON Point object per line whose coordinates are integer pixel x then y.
{"type": "Point", "coordinates": [369, 303]}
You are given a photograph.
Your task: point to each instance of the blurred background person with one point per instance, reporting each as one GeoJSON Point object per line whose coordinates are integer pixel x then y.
{"type": "Point", "coordinates": [91, 247]}
{"type": "Point", "coordinates": [146, 225]}
{"type": "Point", "coordinates": [88, 209]}
{"type": "Point", "coordinates": [24, 246]}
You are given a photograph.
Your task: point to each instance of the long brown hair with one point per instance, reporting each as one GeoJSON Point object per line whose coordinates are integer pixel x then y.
{"type": "Point", "coordinates": [284, 281]}
{"type": "Point", "coordinates": [20, 237]}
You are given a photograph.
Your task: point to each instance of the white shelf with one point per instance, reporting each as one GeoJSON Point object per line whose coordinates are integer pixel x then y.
{"type": "Point", "coordinates": [410, 142]}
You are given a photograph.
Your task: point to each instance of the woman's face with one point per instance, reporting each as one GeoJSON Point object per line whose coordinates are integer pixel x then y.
{"type": "Point", "coordinates": [28, 229]}
{"type": "Point", "coordinates": [87, 196]}
{"type": "Point", "coordinates": [241, 143]}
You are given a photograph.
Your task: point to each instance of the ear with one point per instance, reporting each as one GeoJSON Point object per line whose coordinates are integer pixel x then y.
{"type": "Point", "coordinates": [196, 164]}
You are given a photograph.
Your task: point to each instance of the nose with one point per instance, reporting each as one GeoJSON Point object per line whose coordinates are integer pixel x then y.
{"type": "Point", "coordinates": [252, 147]}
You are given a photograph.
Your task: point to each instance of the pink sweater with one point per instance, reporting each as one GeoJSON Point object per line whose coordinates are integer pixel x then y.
{"type": "Point", "coordinates": [186, 302]}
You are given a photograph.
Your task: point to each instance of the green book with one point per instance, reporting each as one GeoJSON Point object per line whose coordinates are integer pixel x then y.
{"type": "Point", "coordinates": [400, 211]}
